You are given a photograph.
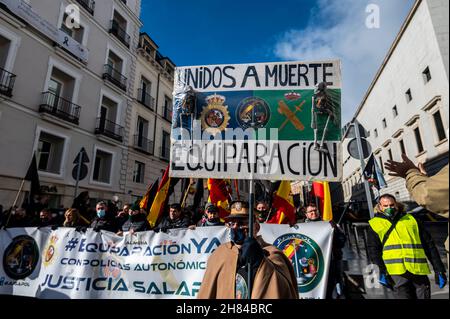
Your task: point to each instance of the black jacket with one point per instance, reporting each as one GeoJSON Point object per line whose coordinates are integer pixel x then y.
{"type": "Point", "coordinates": [375, 250]}
{"type": "Point", "coordinates": [104, 224]}
{"type": "Point", "coordinates": [167, 223]}
{"type": "Point", "coordinates": [137, 223]}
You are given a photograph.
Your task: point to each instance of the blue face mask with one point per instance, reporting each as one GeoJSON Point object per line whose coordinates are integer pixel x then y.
{"type": "Point", "coordinates": [237, 236]}
{"type": "Point", "coordinates": [101, 213]}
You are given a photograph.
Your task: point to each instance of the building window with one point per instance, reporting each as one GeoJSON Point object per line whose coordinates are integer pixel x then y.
{"type": "Point", "coordinates": [408, 95]}
{"type": "Point", "coordinates": [384, 123]}
{"type": "Point", "coordinates": [138, 174]}
{"type": "Point", "coordinates": [390, 154]}
{"type": "Point", "coordinates": [426, 75]}
{"type": "Point", "coordinates": [102, 167]}
{"type": "Point", "coordinates": [50, 152]}
{"type": "Point", "coordinates": [402, 147]}
{"type": "Point", "coordinates": [380, 159]}
{"type": "Point", "coordinates": [375, 132]}
{"type": "Point", "coordinates": [439, 126]}
{"type": "Point", "coordinates": [74, 33]}
{"type": "Point", "coordinates": [165, 147]}
{"type": "Point", "coordinates": [395, 111]}
{"type": "Point", "coordinates": [167, 108]}
{"type": "Point", "coordinates": [418, 140]}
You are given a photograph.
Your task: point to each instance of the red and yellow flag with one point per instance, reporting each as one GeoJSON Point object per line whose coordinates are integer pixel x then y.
{"type": "Point", "coordinates": [321, 190]}
{"type": "Point", "coordinates": [219, 195]}
{"type": "Point", "coordinates": [284, 205]}
{"type": "Point", "coordinates": [160, 200]}
{"type": "Point", "coordinates": [290, 249]}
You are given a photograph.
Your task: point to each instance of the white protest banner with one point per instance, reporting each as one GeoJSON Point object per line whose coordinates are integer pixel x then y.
{"type": "Point", "coordinates": [25, 11]}
{"type": "Point", "coordinates": [65, 263]}
{"type": "Point", "coordinates": [276, 121]}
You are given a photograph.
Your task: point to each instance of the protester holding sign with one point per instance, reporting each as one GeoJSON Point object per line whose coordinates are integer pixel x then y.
{"type": "Point", "coordinates": [226, 273]}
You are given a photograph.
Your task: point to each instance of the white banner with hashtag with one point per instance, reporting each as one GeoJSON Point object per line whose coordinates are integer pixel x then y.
{"type": "Point", "coordinates": [65, 263]}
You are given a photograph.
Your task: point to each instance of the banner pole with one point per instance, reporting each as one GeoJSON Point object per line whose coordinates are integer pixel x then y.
{"type": "Point", "coordinates": [250, 234]}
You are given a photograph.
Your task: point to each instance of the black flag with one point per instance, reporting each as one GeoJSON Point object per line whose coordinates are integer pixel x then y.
{"type": "Point", "coordinates": [33, 176]}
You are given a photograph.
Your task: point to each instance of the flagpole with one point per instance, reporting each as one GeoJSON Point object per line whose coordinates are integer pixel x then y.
{"type": "Point", "coordinates": [250, 234]}
{"type": "Point", "coordinates": [15, 201]}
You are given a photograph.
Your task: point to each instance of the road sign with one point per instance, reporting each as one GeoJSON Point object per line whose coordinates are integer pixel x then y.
{"type": "Point", "coordinates": [83, 172]}
{"type": "Point", "coordinates": [80, 170]}
{"type": "Point", "coordinates": [84, 157]}
{"type": "Point", "coordinates": [350, 131]}
{"type": "Point", "coordinates": [352, 148]}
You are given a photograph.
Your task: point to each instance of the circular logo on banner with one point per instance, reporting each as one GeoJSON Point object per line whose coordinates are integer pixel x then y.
{"type": "Point", "coordinates": [21, 257]}
{"type": "Point", "coordinates": [253, 112]}
{"type": "Point", "coordinates": [306, 257]}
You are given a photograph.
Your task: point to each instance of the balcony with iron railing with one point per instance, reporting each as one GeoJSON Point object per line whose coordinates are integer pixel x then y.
{"type": "Point", "coordinates": [146, 99]}
{"type": "Point", "coordinates": [120, 33]}
{"type": "Point", "coordinates": [143, 144]}
{"type": "Point", "coordinates": [59, 107]}
{"type": "Point", "coordinates": [115, 77]}
{"type": "Point", "coordinates": [7, 80]}
{"type": "Point", "coordinates": [109, 129]}
{"type": "Point", "coordinates": [164, 153]}
{"type": "Point", "coordinates": [89, 5]}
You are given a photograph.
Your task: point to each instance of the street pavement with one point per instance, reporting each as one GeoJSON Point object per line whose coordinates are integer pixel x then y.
{"type": "Point", "coordinates": [355, 262]}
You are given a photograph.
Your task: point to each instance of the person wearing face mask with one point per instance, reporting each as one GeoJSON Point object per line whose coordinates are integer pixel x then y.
{"type": "Point", "coordinates": [103, 220]}
{"type": "Point", "coordinates": [211, 216]}
{"type": "Point", "coordinates": [136, 221]}
{"type": "Point", "coordinates": [430, 192]}
{"type": "Point", "coordinates": [400, 246]}
{"type": "Point", "coordinates": [226, 273]}
{"type": "Point", "coordinates": [262, 211]}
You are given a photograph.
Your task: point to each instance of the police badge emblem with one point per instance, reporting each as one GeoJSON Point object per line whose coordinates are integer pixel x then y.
{"type": "Point", "coordinates": [215, 115]}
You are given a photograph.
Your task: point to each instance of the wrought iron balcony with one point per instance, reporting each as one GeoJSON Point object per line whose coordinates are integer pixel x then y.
{"type": "Point", "coordinates": [109, 129]}
{"type": "Point", "coordinates": [120, 33]}
{"type": "Point", "coordinates": [59, 107]}
{"type": "Point", "coordinates": [164, 153]}
{"type": "Point", "coordinates": [89, 5]}
{"type": "Point", "coordinates": [143, 144]}
{"type": "Point", "coordinates": [146, 99]}
{"type": "Point", "coordinates": [115, 77]}
{"type": "Point", "coordinates": [7, 80]}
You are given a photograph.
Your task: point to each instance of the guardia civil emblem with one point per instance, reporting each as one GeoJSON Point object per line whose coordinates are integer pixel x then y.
{"type": "Point", "coordinates": [306, 257]}
{"type": "Point", "coordinates": [215, 115]}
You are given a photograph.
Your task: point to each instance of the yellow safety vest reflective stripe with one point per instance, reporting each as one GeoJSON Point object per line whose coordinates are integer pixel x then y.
{"type": "Point", "coordinates": [403, 249]}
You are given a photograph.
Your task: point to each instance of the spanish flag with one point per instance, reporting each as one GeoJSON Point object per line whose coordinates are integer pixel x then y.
{"type": "Point", "coordinates": [290, 249]}
{"type": "Point", "coordinates": [284, 205]}
{"type": "Point", "coordinates": [219, 195]}
{"type": "Point", "coordinates": [321, 190]}
{"type": "Point", "coordinates": [160, 200]}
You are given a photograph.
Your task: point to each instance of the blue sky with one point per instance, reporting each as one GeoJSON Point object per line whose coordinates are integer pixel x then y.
{"type": "Point", "coordinates": [200, 32]}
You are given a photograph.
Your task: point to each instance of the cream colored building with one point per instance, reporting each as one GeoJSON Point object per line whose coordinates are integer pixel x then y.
{"type": "Point", "coordinates": [406, 108]}
{"type": "Point", "coordinates": [64, 88]}
{"type": "Point", "coordinates": [150, 125]}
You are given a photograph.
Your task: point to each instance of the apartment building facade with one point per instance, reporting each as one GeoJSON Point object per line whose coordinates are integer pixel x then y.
{"type": "Point", "coordinates": [65, 87]}
{"type": "Point", "coordinates": [406, 108]}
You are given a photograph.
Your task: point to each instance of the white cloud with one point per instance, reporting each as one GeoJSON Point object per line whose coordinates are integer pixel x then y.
{"type": "Point", "coordinates": [337, 29]}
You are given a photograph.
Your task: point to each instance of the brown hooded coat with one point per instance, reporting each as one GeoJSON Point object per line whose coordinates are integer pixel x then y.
{"type": "Point", "coordinates": [274, 279]}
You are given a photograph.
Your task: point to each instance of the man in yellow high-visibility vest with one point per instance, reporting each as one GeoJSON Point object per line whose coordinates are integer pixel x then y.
{"type": "Point", "coordinates": [401, 251]}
